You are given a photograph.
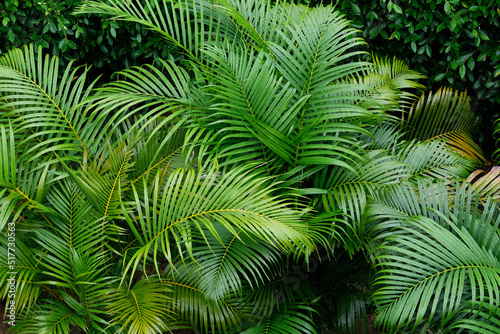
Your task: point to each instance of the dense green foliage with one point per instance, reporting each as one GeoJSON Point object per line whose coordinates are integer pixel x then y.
{"type": "Point", "coordinates": [454, 43]}
{"type": "Point", "coordinates": [84, 38]}
{"type": "Point", "coordinates": [275, 183]}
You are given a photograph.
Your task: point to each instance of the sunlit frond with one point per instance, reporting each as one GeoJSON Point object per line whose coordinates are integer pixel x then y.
{"type": "Point", "coordinates": [190, 200]}
{"type": "Point", "coordinates": [143, 308]}
{"type": "Point", "coordinates": [48, 107]}
{"type": "Point", "coordinates": [445, 115]}
{"type": "Point", "coordinates": [486, 184]}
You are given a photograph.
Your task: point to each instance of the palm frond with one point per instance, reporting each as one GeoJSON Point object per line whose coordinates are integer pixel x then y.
{"type": "Point", "coordinates": [50, 317]}
{"type": "Point", "coordinates": [104, 181]}
{"type": "Point", "coordinates": [155, 147]}
{"type": "Point", "coordinates": [143, 308]}
{"type": "Point", "coordinates": [445, 115]}
{"type": "Point", "coordinates": [8, 158]}
{"type": "Point", "coordinates": [21, 263]}
{"type": "Point", "coordinates": [481, 318]}
{"type": "Point", "coordinates": [312, 58]}
{"type": "Point", "coordinates": [348, 190]}
{"type": "Point", "coordinates": [384, 136]}
{"type": "Point", "coordinates": [427, 271]}
{"type": "Point", "coordinates": [187, 24]}
{"type": "Point", "coordinates": [255, 106]}
{"type": "Point", "coordinates": [486, 184]}
{"type": "Point", "coordinates": [435, 159]}
{"type": "Point", "coordinates": [236, 262]}
{"type": "Point", "coordinates": [151, 95]}
{"type": "Point", "coordinates": [191, 200]}
{"type": "Point", "coordinates": [389, 82]}
{"type": "Point", "coordinates": [313, 50]}
{"type": "Point", "coordinates": [204, 314]}
{"type": "Point", "coordinates": [259, 21]}
{"type": "Point", "coordinates": [47, 107]}
{"type": "Point", "coordinates": [293, 320]}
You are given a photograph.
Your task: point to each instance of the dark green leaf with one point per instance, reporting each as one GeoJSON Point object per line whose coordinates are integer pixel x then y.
{"type": "Point", "coordinates": [462, 71]}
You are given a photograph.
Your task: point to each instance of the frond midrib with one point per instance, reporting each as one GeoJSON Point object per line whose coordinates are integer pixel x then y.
{"type": "Point", "coordinates": [407, 291]}
{"type": "Point", "coordinates": [56, 106]}
{"type": "Point", "coordinates": [209, 212]}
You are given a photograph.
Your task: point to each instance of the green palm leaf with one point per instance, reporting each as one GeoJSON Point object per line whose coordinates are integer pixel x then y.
{"type": "Point", "coordinates": [8, 158]}
{"type": "Point", "coordinates": [144, 308]}
{"type": "Point", "coordinates": [105, 181]}
{"type": "Point", "coordinates": [292, 320]}
{"type": "Point", "coordinates": [51, 317]}
{"type": "Point", "coordinates": [236, 262]}
{"type": "Point", "coordinates": [255, 17]}
{"type": "Point", "coordinates": [482, 318]}
{"type": "Point", "coordinates": [255, 107]}
{"type": "Point", "coordinates": [49, 108]}
{"type": "Point", "coordinates": [388, 82]}
{"type": "Point", "coordinates": [25, 268]}
{"type": "Point", "coordinates": [191, 200]}
{"type": "Point", "coordinates": [201, 312]}
{"type": "Point", "coordinates": [187, 24]}
{"type": "Point", "coordinates": [152, 90]}
{"type": "Point", "coordinates": [348, 190]}
{"type": "Point", "coordinates": [156, 147]}
{"type": "Point", "coordinates": [312, 58]}
{"type": "Point", "coordinates": [486, 184]}
{"type": "Point", "coordinates": [428, 271]}
{"type": "Point", "coordinates": [445, 115]}
{"type": "Point", "coordinates": [435, 159]}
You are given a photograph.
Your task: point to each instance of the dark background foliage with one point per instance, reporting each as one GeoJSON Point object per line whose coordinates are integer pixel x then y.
{"type": "Point", "coordinates": [89, 39]}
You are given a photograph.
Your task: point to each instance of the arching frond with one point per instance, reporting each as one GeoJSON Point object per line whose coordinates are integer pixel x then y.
{"type": "Point", "coordinates": [312, 57]}
{"type": "Point", "coordinates": [104, 182]}
{"type": "Point", "coordinates": [343, 190]}
{"type": "Point", "coordinates": [389, 208]}
{"type": "Point", "coordinates": [51, 317]}
{"type": "Point", "coordinates": [153, 96]}
{"type": "Point", "coordinates": [143, 308]}
{"type": "Point", "coordinates": [155, 147]}
{"type": "Point", "coordinates": [486, 184]}
{"type": "Point", "coordinates": [204, 314]}
{"type": "Point", "coordinates": [429, 272]}
{"type": "Point", "coordinates": [292, 320]}
{"type": "Point", "coordinates": [255, 113]}
{"type": "Point", "coordinates": [435, 159]}
{"type": "Point", "coordinates": [188, 24]}
{"type": "Point", "coordinates": [389, 82]}
{"type": "Point", "coordinates": [21, 266]}
{"type": "Point", "coordinates": [236, 262]}
{"type": "Point", "coordinates": [48, 108]}
{"type": "Point", "coordinates": [190, 200]}
{"type": "Point", "coordinates": [260, 21]}
{"type": "Point", "coordinates": [72, 256]}
{"type": "Point", "coordinates": [481, 318]}
{"type": "Point", "coordinates": [445, 115]}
